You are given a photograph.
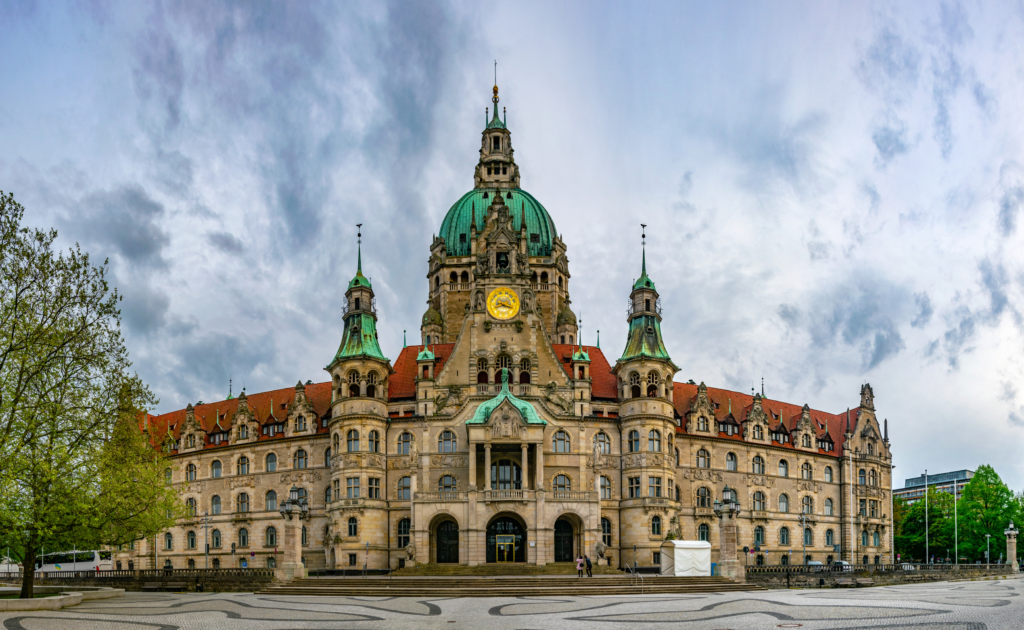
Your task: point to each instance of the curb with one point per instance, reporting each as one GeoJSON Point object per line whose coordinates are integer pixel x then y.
{"type": "Point", "coordinates": [69, 598]}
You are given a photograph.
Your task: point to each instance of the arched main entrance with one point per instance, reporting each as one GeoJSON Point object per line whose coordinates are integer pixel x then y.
{"type": "Point", "coordinates": [506, 540]}
{"type": "Point", "coordinates": [564, 541]}
{"type": "Point", "coordinates": [448, 542]}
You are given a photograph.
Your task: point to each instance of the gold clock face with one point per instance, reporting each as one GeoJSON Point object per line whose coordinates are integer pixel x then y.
{"type": "Point", "coordinates": [503, 303]}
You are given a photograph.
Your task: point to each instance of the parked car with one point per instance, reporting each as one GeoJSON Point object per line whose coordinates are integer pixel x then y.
{"type": "Point", "coordinates": [842, 565]}
{"type": "Point", "coordinates": [814, 565]}
{"type": "Point", "coordinates": [906, 566]}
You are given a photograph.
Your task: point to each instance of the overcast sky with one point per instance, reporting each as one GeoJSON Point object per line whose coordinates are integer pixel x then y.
{"type": "Point", "coordinates": [834, 191]}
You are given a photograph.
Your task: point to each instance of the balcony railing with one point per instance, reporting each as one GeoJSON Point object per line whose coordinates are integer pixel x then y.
{"type": "Point", "coordinates": [573, 495]}
{"type": "Point", "coordinates": [507, 495]}
{"type": "Point", "coordinates": [441, 496]}
{"type": "Point", "coordinates": [458, 286]}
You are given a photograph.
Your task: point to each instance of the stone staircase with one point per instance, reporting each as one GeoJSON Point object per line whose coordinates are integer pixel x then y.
{"type": "Point", "coordinates": [502, 586]}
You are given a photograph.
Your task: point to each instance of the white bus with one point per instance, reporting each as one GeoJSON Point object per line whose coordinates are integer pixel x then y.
{"type": "Point", "coordinates": [75, 561]}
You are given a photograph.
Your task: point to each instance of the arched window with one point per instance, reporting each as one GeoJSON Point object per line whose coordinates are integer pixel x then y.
{"type": "Point", "coordinates": [352, 440]}
{"type": "Point", "coordinates": [758, 465]}
{"type": "Point", "coordinates": [783, 503]}
{"type": "Point", "coordinates": [561, 483]}
{"type": "Point", "coordinates": [606, 532]}
{"type": "Point", "coordinates": [299, 460]}
{"type": "Point", "coordinates": [634, 441]}
{"type": "Point", "coordinates": [875, 538]}
{"type": "Point", "coordinates": [862, 477]}
{"type": "Point", "coordinates": [603, 443]}
{"type": "Point", "coordinates": [871, 448]}
{"type": "Point", "coordinates": [353, 383]}
{"type": "Point", "coordinates": [405, 488]}
{"type": "Point", "coordinates": [446, 443]}
{"type": "Point", "coordinates": [464, 277]}
{"type": "Point", "coordinates": [371, 384]}
{"type": "Point", "coordinates": [447, 483]}
{"type": "Point", "coordinates": [215, 469]}
{"type": "Point", "coordinates": [336, 443]}
{"type": "Point", "coordinates": [404, 443]}
{"type": "Point", "coordinates": [271, 501]}
{"type": "Point", "coordinates": [374, 445]}
{"type": "Point", "coordinates": [703, 498]}
{"type": "Point", "coordinates": [677, 458]}
{"type": "Point", "coordinates": [453, 277]}
{"type": "Point", "coordinates": [758, 536]}
{"type": "Point", "coordinates": [808, 505]}
{"type": "Point", "coordinates": [190, 472]}
{"type": "Point", "coordinates": [828, 474]}
{"type": "Point", "coordinates": [808, 536]}
{"type": "Point", "coordinates": [243, 502]}
{"type": "Point", "coordinates": [271, 536]}
{"type": "Point", "coordinates": [243, 465]}
{"type": "Point", "coordinates": [806, 472]}
{"type": "Point", "coordinates": [327, 457]}
{"type": "Point", "coordinates": [702, 423]}
{"type": "Point", "coordinates": [758, 432]}
{"type": "Point", "coordinates": [783, 468]}
{"type": "Point", "coordinates": [654, 441]}
{"type": "Point", "coordinates": [271, 462]}
{"type": "Point", "coordinates": [327, 495]}
{"type": "Point", "coordinates": [830, 538]}
{"type": "Point", "coordinates": [215, 505]}
{"type": "Point", "coordinates": [872, 478]}
{"type": "Point", "coordinates": [784, 536]}
{"type": "Point", "coordinates": [168, 475]}
{"type": "Point", "coordinates": [543, 277]}
{"type": "Point", "coordinates": [300, 423]}
{"type": "Point", "coordinates": [759, 501]}
{"type": "Point", "coordinates": [656, 526]}
{"type": "Point", "coordinates": [863, 538]}
{"type": "Point", "coordinates": [305, 536]}
{"type": "Point", "coordinates": [168, 542]}
{"type": "Point", "coordinates": [504, 361]}
{"type": "Point", "coordinates": [606, 488]}
{"type": "Point", "coordinates": [703, 532]}
{"type": "Point", "coordinates": [560, 442]}
{"type": "Point", "coordinates": [243, 537]}
{"type": "Point", "coordinates": [677, 492]}
{"type": "Point", "coordinates": [703, 459]}
{"type": "Point", "coordinates": [731, 461]}
{"type": "Point", "coordinates": [215, 539]}
{"type": "Point", "coordinates": [634, 385]}
{"type": "Point", "coordinates": [191, 539]}
{"type": "Point", "coordinates": [190, 507]}
{"type": "Point", "coordinates": [828, 507]}
{"type": "Point", "coordinates": [652, 384]}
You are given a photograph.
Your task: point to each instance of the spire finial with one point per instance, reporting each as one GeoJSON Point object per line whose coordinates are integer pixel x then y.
{"type": "Point", "coordinates": [404, 344]}
{"type": "Point", "coordinates": [643, 248]}
{"type": "Point", "coordinates": [599, 339]}
{"type": "Point", "coordinates": [229, 388]}
{"type": "Point", "coordinates": [359, 245]}
{"type": "Point", "coordinates": [762, 387]}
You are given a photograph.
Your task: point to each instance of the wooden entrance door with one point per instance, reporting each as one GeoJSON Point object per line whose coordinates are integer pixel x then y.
{"type": "Point", "coordinates": [448, 542]}
{"type": "Point", "coordinates": [563, 541]}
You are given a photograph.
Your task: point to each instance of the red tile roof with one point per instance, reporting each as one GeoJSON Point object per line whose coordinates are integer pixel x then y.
{"type": "Point", "coordinates": [603, 383]}
{"type": "Point", "coordinates": [402, 382]}
{"type": "Point", "coordinates": [684, 394]}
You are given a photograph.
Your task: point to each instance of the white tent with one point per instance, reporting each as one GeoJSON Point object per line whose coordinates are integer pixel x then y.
{"type": "Point", "coordinates": [686, 557]}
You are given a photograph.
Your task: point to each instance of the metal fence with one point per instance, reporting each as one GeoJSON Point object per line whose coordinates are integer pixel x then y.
{"type": "Point", "coordinates": [149, 573]}
{"type": "Point", "coordinates": [901, 567]}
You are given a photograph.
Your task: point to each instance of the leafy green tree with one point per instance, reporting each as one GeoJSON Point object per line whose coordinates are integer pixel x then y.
{"type": "Point", "coordinates": [74, 463]}
{"type": "Point", "coordinates": [909, 523]}
{"type": "Point", "coordinates": [987, 507]}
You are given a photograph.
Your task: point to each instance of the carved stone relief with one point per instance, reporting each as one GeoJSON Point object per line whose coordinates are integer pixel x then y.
{"type": "Point", "coordinates": [447, 461]}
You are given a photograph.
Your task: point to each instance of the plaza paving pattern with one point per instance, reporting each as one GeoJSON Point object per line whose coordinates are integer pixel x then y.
{"type": "Point", "coordinates": [982, 605]}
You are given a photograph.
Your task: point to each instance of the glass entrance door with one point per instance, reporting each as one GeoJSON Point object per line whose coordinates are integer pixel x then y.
{"type": "Point", "coordinates": [448, 542]}
{"type": "Point", "coordinates": [505, 549]}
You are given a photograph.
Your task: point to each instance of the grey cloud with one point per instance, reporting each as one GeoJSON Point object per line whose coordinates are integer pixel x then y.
{"type": "Point", "coordinates": [890, 61]}
{"type": "Point", "coordinates": [994, 281]}
{"type": "Point", "coordinates": [144, 307]}
{"type": "Point", "coordinates": [890, 138]}
{"type": "Point", "coordinates": [1016, 418]}
{"type": "Point", "coordinates": [958, 336]}
{"type": "Point", "coordinates": [775, 149]}
{"type": "Point", "coordinates": [874, 199]}
{"type": "Point", "coordinates": [924, 310]}
{"type": "Point", "coordinates": [1008, 393]}
{"type": "Point", "coordinates": [789, 314]}
{"type": "Point", "coordinates": [947, 76]}
{"type": "Point", "coordinates": [954, 25]}
{"type": "Point", "coordinates": [965, 322]}
{"type": "Point", "coordinates": [1010, 205]}
{"type": "Point", "coordinates": [226, 242]}
{"type": "Point", "coordinates": [124, 221]}
{"type": "Point", "coordinates": [984, 98]}
{"type": "Point", "coordinates": [159, 72]}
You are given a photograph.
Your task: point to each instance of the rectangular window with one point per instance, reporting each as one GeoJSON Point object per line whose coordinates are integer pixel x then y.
{"type": "Point", "coordinates": [351, 559]}
{"type": "Point", "coordinates": [337, 488]}
{"type": "Point", "coordinates": [874, 509]}
{"type": "Point", "coordinates": [654, 486]}
{"type": "Point", "coordinates": [352, 484]}
{"type": "Point", "coordinates": [373, 489]}
{"type": "Point", "coordinates": [863, 507]}
{"type": "Point", "coordinates": [657, 558]}
{"type": "Point", "coordinates": [634, 487]}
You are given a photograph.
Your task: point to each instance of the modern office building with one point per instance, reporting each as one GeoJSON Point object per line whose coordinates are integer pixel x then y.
{"type": "Point", "coordinates": [913, 489]}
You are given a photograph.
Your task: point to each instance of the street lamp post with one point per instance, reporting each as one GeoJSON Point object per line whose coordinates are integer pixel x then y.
{"type": "Point", "coordinates": [727, 510]}
{"type": "Point", "coordinates": [988, 548]}
{"type": "Point", "coordinates": [206, 537]}
{"type": "Point", "coordinates": [956, 533]}
{"type": "Point", "coordinates": [803, 534]}
{"type": "Point", "coordinates": [297, 508]}
{"type": "Point", "coordinates": [927, 555]}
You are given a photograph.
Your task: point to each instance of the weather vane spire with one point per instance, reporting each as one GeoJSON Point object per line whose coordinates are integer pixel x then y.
{"type": "Point", "coordinates": [359, 245]}
{"type": "Point", "coordinates": [643, 247]}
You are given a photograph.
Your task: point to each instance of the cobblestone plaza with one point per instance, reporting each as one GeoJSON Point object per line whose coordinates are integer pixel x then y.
{"type": "Point", "coordinates": [982, 605]}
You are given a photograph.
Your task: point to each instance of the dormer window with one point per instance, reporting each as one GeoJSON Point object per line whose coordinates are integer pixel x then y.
{"type": "Point", "coordinates": [462, 238]}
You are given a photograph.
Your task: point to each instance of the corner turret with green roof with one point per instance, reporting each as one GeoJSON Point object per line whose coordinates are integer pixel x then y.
{"type": "Point", "coordinates": [359, 339]}
{"type": "Point", "coordinates": [644, 339]}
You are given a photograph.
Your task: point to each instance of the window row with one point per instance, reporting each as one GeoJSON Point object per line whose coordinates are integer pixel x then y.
{"type": "Point", "coordinates": [758, 467]}
{"type": "Point", "coordinates": [300, 460]}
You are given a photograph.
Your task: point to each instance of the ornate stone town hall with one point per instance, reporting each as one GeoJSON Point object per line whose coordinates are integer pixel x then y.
{"type": "Point", "coordinates": [499, 438]}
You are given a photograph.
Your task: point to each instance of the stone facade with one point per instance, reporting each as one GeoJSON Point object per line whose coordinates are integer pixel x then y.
{"type": "Point", "coordinates": [501, 437]}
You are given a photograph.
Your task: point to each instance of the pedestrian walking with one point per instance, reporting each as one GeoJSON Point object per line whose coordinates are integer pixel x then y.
{"type": "Point", "coordinates": [589, 570]}
{"type": "Point", "coordinates": [579, 566]}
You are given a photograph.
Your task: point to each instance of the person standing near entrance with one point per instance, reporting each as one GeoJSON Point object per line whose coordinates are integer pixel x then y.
{"type": "Point", "coordinates": [579, 566]}
{"type": "Point", "coordinates": [589, 570]}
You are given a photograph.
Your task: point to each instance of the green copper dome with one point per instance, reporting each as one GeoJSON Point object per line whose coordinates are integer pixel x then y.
{"type": "Point", "coordinates": [540, 229]}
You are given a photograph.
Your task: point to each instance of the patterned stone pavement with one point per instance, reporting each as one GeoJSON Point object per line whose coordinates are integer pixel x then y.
{"type": "Point", "coordinates": [946, 606]}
